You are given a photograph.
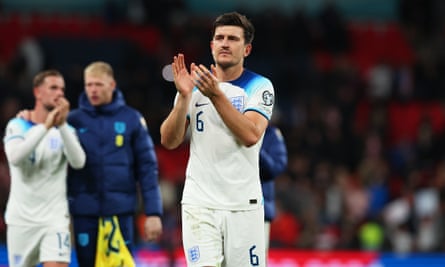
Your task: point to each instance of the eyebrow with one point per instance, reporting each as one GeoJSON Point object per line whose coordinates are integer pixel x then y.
{"type": "Point", "coordinates": [230, 36]}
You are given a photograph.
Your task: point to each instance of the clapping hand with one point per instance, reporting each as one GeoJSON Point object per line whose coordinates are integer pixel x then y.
{"type": "Point", "coordinates": [63, 106]}
{"type": "Point", "coordinates": [205, 80]}
{"type": "Point", "coordinates": [58, 115]}
{"type": "Point", "coordinates": [181, 75]}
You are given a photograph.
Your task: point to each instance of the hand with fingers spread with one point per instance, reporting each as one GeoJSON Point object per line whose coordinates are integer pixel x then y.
{"type": "Point", "coordinates": [205, 80]}
{"type": "Point", "coordinates": [181, 75]}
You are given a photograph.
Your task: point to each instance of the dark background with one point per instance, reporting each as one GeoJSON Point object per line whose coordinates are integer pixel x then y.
{"type": "Point", "coordinates": [359, 98]}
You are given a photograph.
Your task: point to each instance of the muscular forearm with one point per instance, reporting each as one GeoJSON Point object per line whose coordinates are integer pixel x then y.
{"type": "Point", "coordinates": [248, 127]}
{"type": "Point", "coordinates": [174, 127]}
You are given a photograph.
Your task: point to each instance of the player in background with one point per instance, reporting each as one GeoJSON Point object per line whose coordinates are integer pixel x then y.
{"type": "Point", "coordinates": [38, 152]}
{"type": "Point", "coordinates": [120, 158]}
{"type": "Point", "coordinates": [273, 162]}
{"type": "Point", "coordinates": [226, 109]}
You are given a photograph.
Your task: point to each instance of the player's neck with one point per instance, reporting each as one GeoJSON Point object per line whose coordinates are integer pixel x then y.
{"type": "Point", "coordinates": [38, 114]}
{"type": "Point", "coordinates": [229, 74]}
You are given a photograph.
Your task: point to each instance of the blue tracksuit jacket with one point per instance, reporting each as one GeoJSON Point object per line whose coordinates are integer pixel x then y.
{"type": "Point", "coordinates": [120, 155]}
{"type": "Point", "coordinates": [273, 162]}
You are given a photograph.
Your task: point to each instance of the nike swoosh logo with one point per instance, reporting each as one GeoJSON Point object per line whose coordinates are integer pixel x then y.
{"type": "Point", "coordinates": [200, 104]}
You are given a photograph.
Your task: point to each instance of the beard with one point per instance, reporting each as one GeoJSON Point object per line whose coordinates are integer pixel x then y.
{"type": "Point", "coordinates": [226, 62]}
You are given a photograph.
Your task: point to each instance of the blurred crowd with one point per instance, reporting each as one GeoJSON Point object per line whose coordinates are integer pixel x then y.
{"type": "Point", "coordinates": [361, 105]}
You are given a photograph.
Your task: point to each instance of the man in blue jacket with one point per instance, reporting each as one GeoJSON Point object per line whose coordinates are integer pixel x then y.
{"type": "Point", "coordinates": [120, 158]}
{"type": "Point", "coordinates": [273, 162]}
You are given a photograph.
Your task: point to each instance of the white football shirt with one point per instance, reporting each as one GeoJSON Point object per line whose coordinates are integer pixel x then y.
{"type": "Point", "coordinates": [37, 160]}
{"type": "Point", "coordinates": [221, 172]}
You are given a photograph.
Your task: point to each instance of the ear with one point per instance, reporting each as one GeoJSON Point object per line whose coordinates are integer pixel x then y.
{"type": "Point", "coordinates": [211, 47]}
{"type": "Point", "coordinates": [36, 92]}
{"type": "Point", "coordinates": [113, 83]}
{"type": "Point", "coordinates": [247, 50]}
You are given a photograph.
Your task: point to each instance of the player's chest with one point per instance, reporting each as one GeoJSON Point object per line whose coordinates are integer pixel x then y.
{"type": "Point", "coordinates": [50, 149]}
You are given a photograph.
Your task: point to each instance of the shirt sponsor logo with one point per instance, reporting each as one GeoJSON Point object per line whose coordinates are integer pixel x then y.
{"type": "Point", "coordinates": [119, 140]}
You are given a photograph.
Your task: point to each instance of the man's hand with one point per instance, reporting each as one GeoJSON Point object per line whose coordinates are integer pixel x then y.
{"type": "Point", "coordinates": [52, 118]}
{"type": "Point", "coordinates": [64, 107]}
{"type": "Point", "coordinates": [181, 75]}
{"type": "Point", "coordinates": [153, 228]}
{"type": "Point", "coordinates": [205, 80]}
{"type": "Point", "coordinates": [24, 114]}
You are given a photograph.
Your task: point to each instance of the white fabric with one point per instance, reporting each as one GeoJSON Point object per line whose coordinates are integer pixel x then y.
{"type": "Point", "coordinates": [37, 161]}
{"type": "Point", "coordinates": [222, 173]}
{"type": "Point", "coordinates": [31, 245]}
{"type": "Point", "coordinates": [207, 231]}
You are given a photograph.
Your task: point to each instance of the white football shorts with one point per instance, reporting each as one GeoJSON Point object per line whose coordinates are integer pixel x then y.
{"type": "Point", "coordinates": [31, 245]}
{"type": "Point", "coordinates": [222, 237]}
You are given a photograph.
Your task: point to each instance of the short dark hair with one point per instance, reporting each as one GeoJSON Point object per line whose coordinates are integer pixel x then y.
{"type": "Point", "coordinates": [235, 19]}
{"type": "Point", "coordinates": [40, 77]}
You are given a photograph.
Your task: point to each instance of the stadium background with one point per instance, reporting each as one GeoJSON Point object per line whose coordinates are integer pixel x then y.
{"type": "Point", "coordinates": [360, 101]}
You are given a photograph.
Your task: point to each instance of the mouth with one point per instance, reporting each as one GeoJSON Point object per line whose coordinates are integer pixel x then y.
{"type": "Point", "coordinates": [94, 98]}
{"type": "Point", "coordinates": [225, 53]}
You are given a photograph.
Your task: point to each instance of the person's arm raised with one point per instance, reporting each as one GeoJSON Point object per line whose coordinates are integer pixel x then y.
{"type": "Point", "coordinates": [248, 127]}
{"type": "Point", "coordinates": [174, 127]}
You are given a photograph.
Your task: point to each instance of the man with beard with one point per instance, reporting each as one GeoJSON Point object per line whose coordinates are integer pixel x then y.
{"type": "Point", "coordinates": [227, 109]}
{"type": "Point", "coordinates": [38, 150]}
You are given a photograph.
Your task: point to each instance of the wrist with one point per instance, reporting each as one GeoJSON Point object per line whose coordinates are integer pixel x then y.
{"type": "Point", "coordinates": [61, 125]}
{"type": "Point", "coordinates": [47, 125]}
{"type": "Point", "coordinates": [214, 95]}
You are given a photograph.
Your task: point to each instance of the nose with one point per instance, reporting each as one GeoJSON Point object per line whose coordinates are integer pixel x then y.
{"type": "Point", "coordinates": [61, 92]}
{"type": "Point", "coordinates": [225, 42]}
{"type": "Point", "coordinates": [90, 89]}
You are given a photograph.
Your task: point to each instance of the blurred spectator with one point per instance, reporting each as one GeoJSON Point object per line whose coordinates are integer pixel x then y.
{"type": "Point", "coordinates": [371, 236]}
{"type": "Point", "coordinates": [28, 60]}
{"type": "Point", "coordinates": [363, 122]}
{"type": "Point", "coordinates": [380, 81]}
{"type": "Point", "coordinates": [5, 182]}
{"type": "Point", "coordinates": [9, 106]}
{"type": "Point", "coordinates": [136, 12]}
{"type": "Point", "coordinates": [417, 16]}
{"type": "Point", "coordinates": [111, 12]}
{"type": "Point", "coordinates": [31, 51]}
{"type": "Point", "coordinates": [285, 228]}
{"type": "Point", "coordinates": [334, 29]}
{"type": "Point", "coordinates": [273, 162]}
